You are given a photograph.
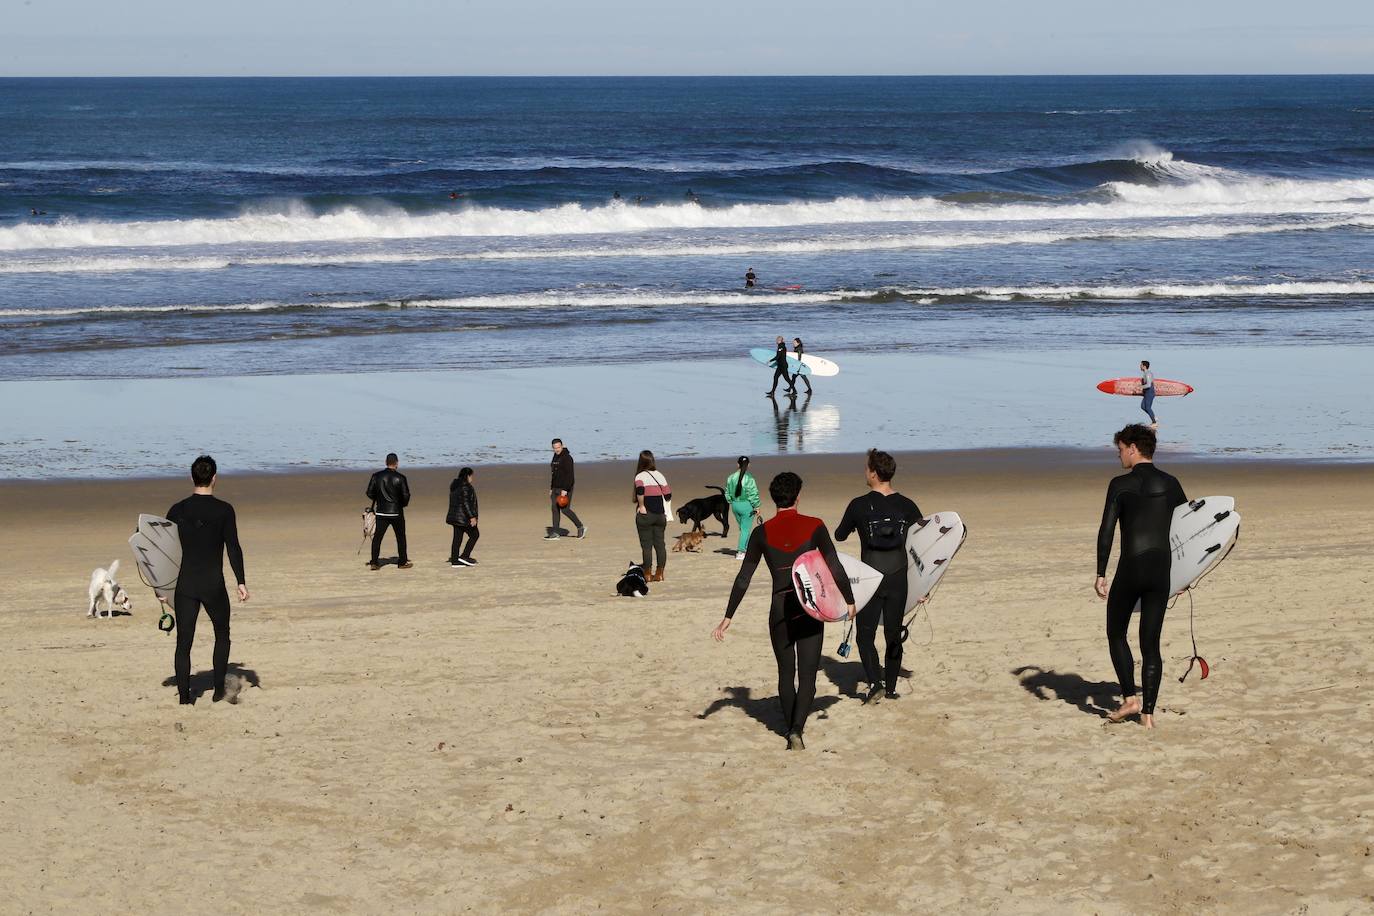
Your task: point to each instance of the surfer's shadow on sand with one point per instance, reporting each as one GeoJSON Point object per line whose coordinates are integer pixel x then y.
{"type": "Point", "coordinates": [848, 675]}
{"type": "Point", "coordinates": [237, 679]}
{"type": "Point", "coordinates": [1097, 698]}
{"type": "Point", "coordinates": [763, 709]}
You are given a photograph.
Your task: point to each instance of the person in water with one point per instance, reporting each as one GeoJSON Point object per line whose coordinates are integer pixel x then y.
{"type": "Point", "coordinates": [882, 517]}
{"type": "Point", "coordinates": [390, 494]}
{"type": "Point", "coordinates": [779, 364]}
{"type": "Point", "coordinates": [742, 490]}
{"type": "Point", "coordinates": [462, 515]}
{"type": "Point", "coordinates": [750, 278]}
{"type": "Point", "coordinates": [1147, 392]}
{"type": "Point", "coordinates": [795, 635]}
{"type": "Point", "coordinates": [1143, 501]}
{"type": "Point", "coordinates": [798, 348]}
{"type": "Point", "coordinates": [208, 529]}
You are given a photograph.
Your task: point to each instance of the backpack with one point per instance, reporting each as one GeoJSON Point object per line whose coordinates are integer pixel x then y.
{"type": "Point", "coordinates": [882, 529]}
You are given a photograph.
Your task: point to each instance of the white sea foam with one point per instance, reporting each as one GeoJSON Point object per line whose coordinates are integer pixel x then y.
{"type": "Point", "coordinates": [640, 298]}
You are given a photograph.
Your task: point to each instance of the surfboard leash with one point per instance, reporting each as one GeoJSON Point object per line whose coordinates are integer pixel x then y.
{"type": "Point", "coordinates": [1192, 633]}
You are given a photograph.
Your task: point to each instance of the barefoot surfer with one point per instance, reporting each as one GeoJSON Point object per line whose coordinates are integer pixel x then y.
{"type": "Point", "coordinates": [799, 349]}
{"type": "Point", "coordinates": [1147, 392]}
{"type": "Point", "coordinates": [779, 364]}
{"type": "Point", "coordinates": [796, 636]}
{"type": "Point", "coordinates": [1143, 500]}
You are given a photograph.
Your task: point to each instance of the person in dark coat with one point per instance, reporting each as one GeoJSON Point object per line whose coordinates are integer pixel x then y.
{"type": "Point", "coordinates": [462, 515]}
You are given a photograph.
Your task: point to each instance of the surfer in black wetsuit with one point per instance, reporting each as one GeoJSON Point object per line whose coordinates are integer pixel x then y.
{"type": "Point", "coordinates": [1143, 500]}
{"type": "Point", "coordinates": [882, 517]}
{"type": "Point", "coordinates": [798, 349]}
{"type": "Point", "coordinates": [208, 529]}
{"type": "Point", "coordinates": [795, 635]}
{"type": "Point", "coordinates": [779, 364]}
{"type": "Point", "coordinates": [750, 278]}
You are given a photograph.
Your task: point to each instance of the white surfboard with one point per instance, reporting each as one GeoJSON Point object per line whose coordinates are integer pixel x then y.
{"type": "Point", "coordinates": [819, 365]}
{"type": "Point", "coordinates": [930, 545]}
{"type": "Point", "coordinates": [157, 553]}
{"type": "Point", "coordinates": [1202, 533]}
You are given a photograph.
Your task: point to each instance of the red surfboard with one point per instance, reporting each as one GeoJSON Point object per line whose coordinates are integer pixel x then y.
{"type": "Point", "coordinates": [1164, 388]}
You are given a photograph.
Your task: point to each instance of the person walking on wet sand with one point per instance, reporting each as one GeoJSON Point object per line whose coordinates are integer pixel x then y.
{"type": "Point", "coordinates": [390, 494]}
{"type": "Point", "coordinates": [799, 350]}
{"type": "Point", "coordinates": [779, 364]}
{"type": "Point", "coordinates": [561, 481]}
{"type": "Point", "coordinates": [1147, 392]}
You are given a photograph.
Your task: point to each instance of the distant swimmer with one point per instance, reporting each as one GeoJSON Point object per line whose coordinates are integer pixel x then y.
{"type": "Point", "coordinates": [796, 636]}
{"type": "Point", "coordinates": [692, 196]}
{"type": "Point", "coordinates": [1143, 501]}
{"type": "Point", "coordinates": [639, 199]}
{"type": "Point", "coordinates": [779, 364]}
{"type": "Point", "coordinates": [798, 348]}
{"type": "Point", "coordinates": [1147, 392]}
{"type": "Point", "coordinates": [615, 195]}
{"type": "Point", "coordinates": [37, 212]}
{"type": "Point", "coordinates": [208, 529]}
{"type": "Point", "coordinates": [750, 278]}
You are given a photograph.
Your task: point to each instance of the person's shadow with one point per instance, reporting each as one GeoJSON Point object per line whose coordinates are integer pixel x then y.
{"type": "Point", "coordinates": [236, 679]}
{"type": "Point", "coordinates": [765, 710]}
{"type": "Point", "coordinates": [1096, 698]}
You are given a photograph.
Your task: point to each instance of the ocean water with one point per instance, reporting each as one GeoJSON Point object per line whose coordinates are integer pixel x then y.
{"type": "Point", "coordinates": [215, 226]}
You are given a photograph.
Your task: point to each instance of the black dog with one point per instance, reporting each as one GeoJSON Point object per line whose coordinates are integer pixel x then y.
{"type": "Point", "coordinates": [700, 509]}
{"type": "Point", "coordinates": [633, 583]}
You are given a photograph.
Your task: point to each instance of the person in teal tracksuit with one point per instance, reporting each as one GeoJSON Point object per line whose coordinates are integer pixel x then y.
{"type": "Point", "coordinates": [742, 490]}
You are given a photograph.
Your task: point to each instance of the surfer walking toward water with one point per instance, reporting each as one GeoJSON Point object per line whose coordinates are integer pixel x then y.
{"type": "Point", "coordinates": [1147, 392]}
{"type": "Point", "coordinates": [882, 517]}
{"type": "Point", "coordinates": [779, 364]}
{"type": "Point", "coordinates": [796, 636]}
{"type": "Point", "coordinates": [208, 529]}
{"type": "Point", "coordinates": [1143, 501]}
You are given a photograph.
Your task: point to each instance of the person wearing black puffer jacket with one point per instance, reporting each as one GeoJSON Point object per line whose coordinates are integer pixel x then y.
{"type": "Point", "coordinates": [462, 515]}
{"type": "Point", "coordinates": [390, 494]}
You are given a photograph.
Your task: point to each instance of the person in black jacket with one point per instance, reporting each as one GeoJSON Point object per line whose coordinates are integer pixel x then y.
{"type": "Point", "coordinates": [561, 484]}
{"type": "Point", "coordinates": [462, 515]}
{"type": "Point", "coordinates": [208, 528]}
{"type": "Point", "coordinates": [390, 494]}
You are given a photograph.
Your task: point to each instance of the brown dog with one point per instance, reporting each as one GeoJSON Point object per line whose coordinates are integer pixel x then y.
{"type": "Point", "coordinates": [690, 541]}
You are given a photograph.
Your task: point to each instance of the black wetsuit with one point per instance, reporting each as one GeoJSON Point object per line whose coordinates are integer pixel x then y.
{"type": "Point", "coordinates": [207, 528]}
{"type": "Point", "coordinates": [882, 523]}
{"type": "Point", "coordinates": [806, 379]}
{"type": "Point", "coordinates": [796, 636]}
{"type": "Point", "coordinates": [780, 372]}
{"type": "Point", "coordinates": [749, 280]}
{"type": "Point", "coordinates": [1144, 500]}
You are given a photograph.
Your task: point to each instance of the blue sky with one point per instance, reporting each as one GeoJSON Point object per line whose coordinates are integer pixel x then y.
{"type": "Point", "coordinates": [581, 37]}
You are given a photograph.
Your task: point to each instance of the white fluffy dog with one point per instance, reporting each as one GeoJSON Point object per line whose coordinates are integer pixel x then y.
{"type": "Point", "coordinates": [105, 588]}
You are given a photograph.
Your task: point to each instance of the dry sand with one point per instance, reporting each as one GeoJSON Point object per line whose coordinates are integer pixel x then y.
{"type": "Point", "coordinates": [511, 738]}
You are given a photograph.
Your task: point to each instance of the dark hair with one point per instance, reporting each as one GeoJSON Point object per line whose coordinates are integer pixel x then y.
{"type": "Point", "coordinates": [784, 489]}
{"type": "Point", "coordinates": [882, 464]}
{"type": "Point", "coordinates": [464, 474]}
{"type": "Point", "coordinates": [556, 442]}
{"type": "Point", "coordinates": [203, 471]}
{"type": "Point", "coordinates": [392, 459]}
{"type": "Point", "coordinates": [1139, 435]}
{"type": "Point", "coordinates": [1145, 363]}
{"type": "Point", "coordinates": [646, 462]}
{"type": "Point", "coordinates": [739, 481]}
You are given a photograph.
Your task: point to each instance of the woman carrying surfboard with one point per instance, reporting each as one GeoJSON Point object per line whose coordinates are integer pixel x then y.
{"type": "Point", "coordinates": [795, 635]}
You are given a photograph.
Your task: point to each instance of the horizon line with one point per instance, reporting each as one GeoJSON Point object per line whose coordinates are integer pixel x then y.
{"type": "Point", "coordinates": [333, 76]}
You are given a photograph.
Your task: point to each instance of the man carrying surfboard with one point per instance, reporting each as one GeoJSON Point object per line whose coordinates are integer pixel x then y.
{"type": "Point", "coordinates": [1147, 392]}
{"type": "Point", "coordinates": [779, 364]}
{"type": "Point", "coordinates": [208, 529]}
{"type": "Point", "coordinates": [796, 636]}
{"type": "Point", "coordinates": [882, 517]}
{"type": "Point", "coordinates": [1143, 501]}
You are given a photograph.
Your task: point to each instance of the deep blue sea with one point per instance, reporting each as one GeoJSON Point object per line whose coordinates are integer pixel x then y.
{"type": "Point", "coordinates": [251, 226]}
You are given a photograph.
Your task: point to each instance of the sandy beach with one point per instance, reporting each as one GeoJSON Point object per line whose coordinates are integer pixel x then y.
{"type": "Point", "coordinates": [512, 738]}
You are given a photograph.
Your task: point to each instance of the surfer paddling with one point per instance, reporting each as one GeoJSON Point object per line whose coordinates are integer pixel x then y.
{"type": "Point", "coordinates": [882, 517]}
{"type": "Point", "coordinates": [208, 529]}
{"type": "Point", "coordinates": [795, 635]}
{"type": "Point", "coordinates": [1143, 501]}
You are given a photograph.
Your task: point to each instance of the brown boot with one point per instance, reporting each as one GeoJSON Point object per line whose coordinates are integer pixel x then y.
{"type": "Point", "coordinates": [658, 574]}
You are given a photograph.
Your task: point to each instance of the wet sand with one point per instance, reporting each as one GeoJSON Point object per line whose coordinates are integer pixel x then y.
{"type": "Point", "coordinates": [512, 738]}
